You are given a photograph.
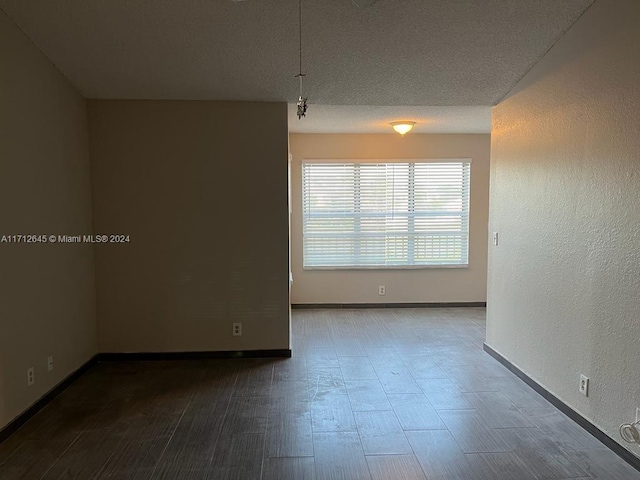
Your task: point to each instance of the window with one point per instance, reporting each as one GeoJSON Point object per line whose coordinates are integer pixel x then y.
{"type": "Point", "coordinates": [385, 215]}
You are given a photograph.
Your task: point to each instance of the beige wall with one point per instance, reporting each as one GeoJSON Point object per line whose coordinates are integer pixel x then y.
{"type": "Point", "coordinates": [47, 301]}
{"type": "Point", "coordinates": [415, 285]}
{"type": "Point", "coordinates": [564, 283]}
{"type": "Point", "coordinates": [201, 188]}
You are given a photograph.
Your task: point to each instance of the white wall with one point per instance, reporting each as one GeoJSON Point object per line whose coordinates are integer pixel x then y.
{"type": "Point", "coordinates": [201, 188]}
{"type": "Point", "coordinates": [47, 300]}
{"type": "Point", "coordinates": [564, 283]}
{"type": "Point", "coordinates": [414, 285]}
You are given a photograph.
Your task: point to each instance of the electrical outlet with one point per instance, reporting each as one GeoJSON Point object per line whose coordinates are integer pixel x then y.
{"type": "Point", "coordinates": [584, 385]}
{"type": "Point", "coordinates": [50, 363]}
{"type": "Point", "coordinates": [382, 290]}
{"type": "Point", "coordinates": [237, 329]}
{"type": "Point", "coordinates": [31, 377]}
{"type": "Point", "coordinates": [495, 238]}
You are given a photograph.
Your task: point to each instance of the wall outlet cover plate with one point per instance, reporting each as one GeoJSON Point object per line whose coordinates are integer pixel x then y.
{"type": "Point", "coordinates": [584, 385]}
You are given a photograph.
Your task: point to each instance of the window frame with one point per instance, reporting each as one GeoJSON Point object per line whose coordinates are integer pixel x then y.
{"type": "Point", "coordinates": [369, 161]}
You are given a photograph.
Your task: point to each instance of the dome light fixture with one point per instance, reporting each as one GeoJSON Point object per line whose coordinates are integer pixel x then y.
{"type": "Point", "coordinates": [403, 127]}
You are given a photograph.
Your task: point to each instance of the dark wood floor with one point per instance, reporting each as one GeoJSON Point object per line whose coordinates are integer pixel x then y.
{"type": "Point", "coordinates": [369, 394]}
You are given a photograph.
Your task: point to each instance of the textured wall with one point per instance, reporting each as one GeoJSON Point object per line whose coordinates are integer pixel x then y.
{"type": "Point", "coordinates": [47, 300]}
{"type": "Point", "coordinates": [564, 283]}
{"type": "Point", "coordinates": [201, 188]}
{"type": "Point", "coordinates": [413, 285]}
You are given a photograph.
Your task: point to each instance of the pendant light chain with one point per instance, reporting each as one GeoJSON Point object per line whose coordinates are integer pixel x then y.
{"type": "Point", "coordinates": [302, 101]}
{"type": "Point", "coordinates": [300, 32]}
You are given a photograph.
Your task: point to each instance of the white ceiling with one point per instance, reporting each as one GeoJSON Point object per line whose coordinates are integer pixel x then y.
{"type": "Point", "coordinates": [376, 119]}
{"type": "Point", "coordinates": [394, 53]}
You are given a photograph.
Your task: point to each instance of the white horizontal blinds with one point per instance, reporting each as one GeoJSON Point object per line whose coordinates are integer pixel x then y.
{"type": "Point", "coordinates": [385, 215]}
{"type": "Point", "coordinates": [329, 215]}
{"type": "Point", "coordinates": [441, 213]}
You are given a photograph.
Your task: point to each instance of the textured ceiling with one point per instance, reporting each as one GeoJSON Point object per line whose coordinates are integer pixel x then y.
{"type": "Point", "coordinates": [396, 52]}
{"type": "Point", "coordinates": [376, 119]}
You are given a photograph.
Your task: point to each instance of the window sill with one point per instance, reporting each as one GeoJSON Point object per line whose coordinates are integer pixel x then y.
{"type": "Point", "coordinates": [394, 267]}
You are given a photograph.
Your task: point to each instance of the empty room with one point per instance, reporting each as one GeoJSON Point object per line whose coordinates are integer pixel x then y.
{"type": "Point", "coordinates": [299, 239]}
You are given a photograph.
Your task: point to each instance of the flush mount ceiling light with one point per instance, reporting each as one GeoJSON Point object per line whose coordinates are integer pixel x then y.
{"type": "Point", "coordinates": [403, 126]}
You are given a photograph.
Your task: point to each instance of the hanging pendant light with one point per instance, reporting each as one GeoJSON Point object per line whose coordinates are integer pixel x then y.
{"type": "Point", "coordinates": [302, 100]}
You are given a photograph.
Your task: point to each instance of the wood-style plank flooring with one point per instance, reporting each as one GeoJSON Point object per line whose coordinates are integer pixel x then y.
{"type": "Point", "coordinates": [369, 394]}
